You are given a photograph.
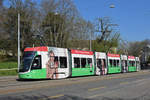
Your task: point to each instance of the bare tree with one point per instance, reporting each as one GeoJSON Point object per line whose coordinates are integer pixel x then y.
{"type": "Point", "coordinates": [26, 9]}
{"type": "Point", "coordinates": [48, 6]}
{"type": "Point", "coordinates": [106, 37]}
{"type": "Point", "coordinates": [58, 21]}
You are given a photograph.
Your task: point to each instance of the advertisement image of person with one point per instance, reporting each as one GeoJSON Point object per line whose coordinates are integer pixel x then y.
{"type": "Point", "coordinates": [103, 66]}
{"type": "Point", "coordinates": [98, 65]}
{"type": "Point", "coordinates": [124, 66]}
{"type": "Point", "coordinates": [52, 66]}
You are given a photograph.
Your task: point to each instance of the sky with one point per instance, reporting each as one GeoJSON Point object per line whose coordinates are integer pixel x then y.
{"type": "Point", "coordinates": [132, 16]}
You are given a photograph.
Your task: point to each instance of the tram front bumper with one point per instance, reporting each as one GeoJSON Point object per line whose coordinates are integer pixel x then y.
{"type": "Point", "coordinates": [25, 76]}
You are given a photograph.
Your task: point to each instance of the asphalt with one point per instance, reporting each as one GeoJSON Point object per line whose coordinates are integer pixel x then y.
{"type": "Point", "coordinates": [128, 86]}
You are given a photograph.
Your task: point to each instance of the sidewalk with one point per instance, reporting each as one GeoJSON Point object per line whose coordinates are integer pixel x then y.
{"type": "Point", "coordinates": [8, 77]}
{"type": "Point", "coordinates": [15, 77]}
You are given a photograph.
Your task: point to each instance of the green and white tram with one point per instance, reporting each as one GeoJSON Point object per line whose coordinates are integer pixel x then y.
{"type": "Point", "coordinates": [44, 62]}
{"type": "Point", "coordinates": [55, 63]}
{"type": "Point", "coordinates": [114, 63]}
{"type": "Point", "coordinates": [82, 63]}
{"type": "Point", "coordinates": [131, 64]}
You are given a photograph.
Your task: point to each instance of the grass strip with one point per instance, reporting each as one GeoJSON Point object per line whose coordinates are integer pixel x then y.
{"type": "Point", "coordinates": [8, 72]}
{"type": "Point", "coordinates": [8, 65]}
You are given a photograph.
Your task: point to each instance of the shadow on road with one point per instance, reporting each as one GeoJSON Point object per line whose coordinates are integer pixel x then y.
{"type": "Point", "coordinates": [31, 80]}
{"type": "Point", "coordinates": [68, 97]}
{"type": "Point", "coordinates": [28, 80]}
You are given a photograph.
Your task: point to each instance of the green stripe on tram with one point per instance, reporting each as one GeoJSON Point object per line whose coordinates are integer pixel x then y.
{"type": "Point", "coordinates": [82, 71]}
{"type": "Point", "coordinates": [34, 74]}
{"type": "Point", "coordinates": [114, 69]}
{"type": "Point", "coordinates": [131, 68]}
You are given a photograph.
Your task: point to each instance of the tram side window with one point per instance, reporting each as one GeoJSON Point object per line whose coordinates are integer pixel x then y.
{"type": "Point", "coordinates": [99, 63]}
{"type": "Point", "coordinates": [56, 60]}
{"type": "Point", "coordinates": [137, 62]}
{"type": "Point", "coordinates": [63, 62]}
{"type": "Point", "coordinates": [118, 63]}
{"type": "Point", "coordinates": [130, 63]}
{"type": "Point", "coordinates": [104, 61]}
{"type": "Point", "coordinates": [126, 64]}
{"type": "Point", "coordinates": [36, 63]}
{"type": "Point", "coordinates": [89, 61]}
{"type": "Point", "coordinates": [111, 62]}
{"type": "Point", "coordinates": [123, 63]}
{"type": "Point", "coordinates": [76, 62]}
{"type": "Point", "coordinates": [83, 62]}
{"type": "Point", "coordinates": [115, 63]}
{"type": "Point", "coordinates": [133, 63]}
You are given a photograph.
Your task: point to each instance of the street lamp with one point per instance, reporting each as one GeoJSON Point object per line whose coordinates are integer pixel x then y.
{"type": "Point", "coordinates": [18, 41]}
{"type": "Point", "coordinates": [148, 46]}
{"type": "Point", "coordinates": [112, 6]}
{"type": "Point", "coordinates": [146, 52]}
{"type": "Point", "coordinates": [55, 14]}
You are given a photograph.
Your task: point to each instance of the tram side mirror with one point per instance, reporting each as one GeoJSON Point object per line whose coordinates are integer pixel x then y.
{"type": "Point", "coordinates": [35, 64]}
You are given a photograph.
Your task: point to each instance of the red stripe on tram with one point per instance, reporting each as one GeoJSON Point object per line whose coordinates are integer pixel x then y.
{"type": "Point", "coordinates": [36, 49]}
{"type": "Point", "coordinates": [113, 55]}
{"type": "Point", "coordinates": [81, 52]}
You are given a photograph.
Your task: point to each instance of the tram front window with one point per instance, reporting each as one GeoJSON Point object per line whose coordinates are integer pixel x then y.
{"type": "Point", "coordinates": [26, 61]}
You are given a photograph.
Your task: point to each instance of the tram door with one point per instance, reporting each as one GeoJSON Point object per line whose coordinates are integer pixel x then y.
{"type": "Point", "coordinates": [101, 64]}
{"type": "Point", "coordinates": [124, 66]}
{"type": "Point", "coordinates": [137, 63]}
{"type": "Point", "coordinates": [101, 68]}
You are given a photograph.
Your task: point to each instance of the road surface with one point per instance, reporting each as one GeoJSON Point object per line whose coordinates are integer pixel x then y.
{"type": "Point", "coordinates": [128, 86]}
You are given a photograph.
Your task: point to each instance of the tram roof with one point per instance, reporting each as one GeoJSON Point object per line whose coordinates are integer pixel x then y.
{"type": "Point", "coordinates": [131, 57]}
{"type": "Point", "coordinates": [73, 51]}
{"type": "Point", "coordinates": [43, 48]}
{"type": "Point", "coordinates": [113, 55]}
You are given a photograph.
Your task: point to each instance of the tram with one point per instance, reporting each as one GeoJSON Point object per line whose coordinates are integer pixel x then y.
{"type": "Point", "coordinates": [82, 63]}
{"type": "Point", "coordinates": [56, 63]}
{"type": "Point", "coordinates": [44, 62]}
{"type": "Point", "coordinates": [131, 64]}
{"type": "Point", "coordinates": [114, 63]}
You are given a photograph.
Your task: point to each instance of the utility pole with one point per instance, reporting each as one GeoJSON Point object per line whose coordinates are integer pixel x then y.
{"type": "Point", "coordinates": [90, 41]}
{"type": "Point", "coordinates": [18, 41]}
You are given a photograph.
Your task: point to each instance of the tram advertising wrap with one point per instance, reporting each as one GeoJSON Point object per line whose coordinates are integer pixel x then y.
{"type": "Point", "coordinates": [101, 62]}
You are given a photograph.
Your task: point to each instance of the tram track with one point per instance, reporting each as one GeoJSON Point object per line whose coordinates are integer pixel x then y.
{"type": "Point", "coordinates": [8, 78]}
{"type": "Point", "coordinates": [18, 83]}
{"type": "Point", "coordinates": [11, 82]}
{"type": "Point", "coordinates": [18, 86]}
